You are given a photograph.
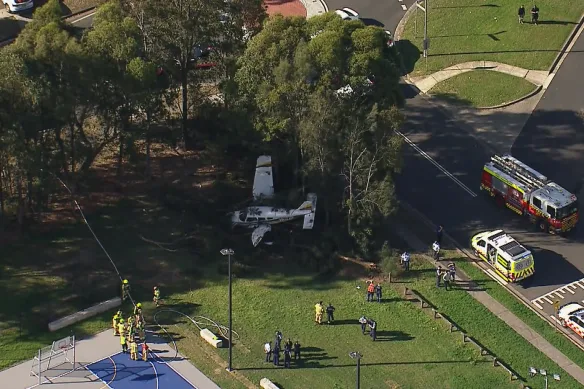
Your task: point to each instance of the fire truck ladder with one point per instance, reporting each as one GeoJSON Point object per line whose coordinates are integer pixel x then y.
{"type": "Point", "coordinates": [513, 167]}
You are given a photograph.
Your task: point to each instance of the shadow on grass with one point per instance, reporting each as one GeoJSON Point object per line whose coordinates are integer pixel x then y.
{"type": "Point", "coordinates": [470, 6]}
{"type": "Point", "coordinates": [393, 336]}
{"type": "Point", "coordinates": [344, 322]}
{"type": "Point", "coordinates": [315, 365]}
{"type": "Point", "coordinates": [452, 99]}
{"type": "Point", "coordinates": [556, 22]}
{"type": "Point", "coordinates": [409, 54]}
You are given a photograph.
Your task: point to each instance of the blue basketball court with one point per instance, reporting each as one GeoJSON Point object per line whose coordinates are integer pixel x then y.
{"type": "Point", "coordinates": [120, 372]}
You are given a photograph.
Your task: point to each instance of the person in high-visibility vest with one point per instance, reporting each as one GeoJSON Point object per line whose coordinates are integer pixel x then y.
{"type": "Point", "coordinates": [318, 311]}
{"type": "Point", "coordinates": [115, 322]}
{"type": "Point", "coordinates": [123, 342]}
{"type": "Point", "coordinates": [144, 351]}
{"type": "Point", "coordinates": [138, 309]}
{"type": "Point", "coordinates": [125, 289]}
{"type": "Point", "coordinates": [121, 328]}
{"type": "Point", "coordinates": [133, 350]}
{"type": "Point", "coordinates": [370, 291]}
{"type": "Point", "coordinates": [156, 298]}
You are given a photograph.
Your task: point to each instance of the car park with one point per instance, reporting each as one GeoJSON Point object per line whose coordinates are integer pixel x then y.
{"type": "Point", "coordinates": [17, 5]}
{"type": "Point", "coordinates": [572, 316]}
{"type": "Point", "coordinates": [347, 14]}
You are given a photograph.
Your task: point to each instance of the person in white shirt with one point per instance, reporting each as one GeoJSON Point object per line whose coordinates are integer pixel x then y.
{"type": "Point", "coordinates": [406, 260]}
{"type": "Point", "coordinates": [268, 351]}
{"type": "Point", "coordinates": [436, 250]}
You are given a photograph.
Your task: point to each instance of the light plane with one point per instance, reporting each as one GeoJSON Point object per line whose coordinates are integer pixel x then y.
{"type": "Point", "coordinates": [261, 217]}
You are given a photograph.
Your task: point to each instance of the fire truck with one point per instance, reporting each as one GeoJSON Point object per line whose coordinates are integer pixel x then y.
{"type": "Point", "coordinates": [529, 193]}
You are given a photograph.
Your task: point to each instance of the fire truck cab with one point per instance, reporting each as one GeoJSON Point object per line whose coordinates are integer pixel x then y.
{"type": "Point", "coordinates": [529, 193]}
{"type": "Point", "coordinates": [512, 261]}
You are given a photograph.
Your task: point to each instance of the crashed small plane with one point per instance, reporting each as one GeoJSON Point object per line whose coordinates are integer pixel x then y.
{"type": "Point", "coordinates": [261, 217]}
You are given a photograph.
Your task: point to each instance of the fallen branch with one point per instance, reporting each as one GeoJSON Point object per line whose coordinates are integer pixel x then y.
{"type": "Point", "coordinates": [160, 245]}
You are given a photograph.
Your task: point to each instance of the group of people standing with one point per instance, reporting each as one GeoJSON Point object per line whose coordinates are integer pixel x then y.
{"type": "Point", "coordinates": [364, 321]}
{"type": "Point", "coordinates": [534, 14]}
{"type": "Point", "coordinates": [276, 349]}
{"type": "Point", "coordinates": [447, 275]}
{"type": "Point", "coordinates": [374, 289]}
{"type": "Point", "coordinates": [131, 331]}
{"type": "Point", "coordinates": [320, 309]}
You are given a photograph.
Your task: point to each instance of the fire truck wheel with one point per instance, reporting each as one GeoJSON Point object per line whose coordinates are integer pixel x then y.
{"type": "Point", "coordinates": [542, 225]}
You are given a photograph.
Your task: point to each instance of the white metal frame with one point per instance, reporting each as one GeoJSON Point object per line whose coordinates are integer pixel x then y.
{"type": "Point", "coordinates": [59, 348]}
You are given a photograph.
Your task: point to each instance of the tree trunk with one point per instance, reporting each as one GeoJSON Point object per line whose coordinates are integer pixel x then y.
{"type": "Point", "coordinates": [185, 104]}
{"type": "Point", "coordinates": [20, 209]}
{"type": "Point", "coordinates": [122, 139]}
{"type": "Point", "coordinates": [62, 152]}
{"type": "Point", "coordinates": [29, 192]}
{"type": "Point", "coordinates": [73, 151]}
{"type": "Point", "coordinates": [147, 171]}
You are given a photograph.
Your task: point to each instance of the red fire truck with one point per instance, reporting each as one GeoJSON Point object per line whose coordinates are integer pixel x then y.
{"type": "Point", "coordinates": [529, 193]}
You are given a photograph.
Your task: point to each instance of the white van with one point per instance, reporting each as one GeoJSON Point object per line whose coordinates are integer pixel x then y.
{"type": "Point", "coordinates": [17, 5]}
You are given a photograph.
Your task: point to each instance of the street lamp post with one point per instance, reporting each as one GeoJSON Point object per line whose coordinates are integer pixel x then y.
{"type": "Point", "coordinates": [356, 355]}
{"type": "Point", "coordinates": [229, 253]}
{"type": "Point", "coordinates": [533, 372]}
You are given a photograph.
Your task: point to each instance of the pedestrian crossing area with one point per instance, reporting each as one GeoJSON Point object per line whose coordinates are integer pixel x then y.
{"type": "Point", "coordinates": [572, 292]}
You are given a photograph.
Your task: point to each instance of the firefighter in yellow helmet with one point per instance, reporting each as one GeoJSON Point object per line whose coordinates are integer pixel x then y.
{"type": "Point", "coordinates": [156, 298]}
{"type": "Point", "coordinates": [125, 289]}
{"type": "Point", "coordinates": [124, 342]}
{"type": "Point", "coordinates": [133, 349]}
{"type": "Point", "coordinates": [115, 322]}
{"type": "Point", "coordinates": [138, 309]}
{"type": "Point", "coordinates": [121, 328]}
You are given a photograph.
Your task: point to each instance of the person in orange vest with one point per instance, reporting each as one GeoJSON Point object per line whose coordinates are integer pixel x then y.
{"type": "Point", "coordinates": [370, 291]}
{"type": "Point", "coordinates": [144, 351]}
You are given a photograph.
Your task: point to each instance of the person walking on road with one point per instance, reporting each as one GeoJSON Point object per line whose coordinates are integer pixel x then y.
{"type": "Point", "coordinates": [406, 261]}
{"type": "Point", "coordinates": [268, 351]}
{"type": "Point", "coordinates": [521, 14]}
{"type": "Point", "coordinates": [446, 278]}
{"type": "Point", "coordinates": [438, 276]}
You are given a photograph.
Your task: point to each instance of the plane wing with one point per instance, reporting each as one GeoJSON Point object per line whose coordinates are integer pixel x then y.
{"type": "Point", "coordinates": [259, 232]}
{"type": "Point", "coordinates": [263, 182]}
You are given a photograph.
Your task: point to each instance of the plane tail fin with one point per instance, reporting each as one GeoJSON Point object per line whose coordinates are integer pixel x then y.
{"type": "Point", "coordinates": [309, 218]}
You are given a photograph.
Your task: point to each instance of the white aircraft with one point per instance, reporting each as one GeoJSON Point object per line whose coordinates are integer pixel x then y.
{"type": "Point", "coordinates": [261, 217]}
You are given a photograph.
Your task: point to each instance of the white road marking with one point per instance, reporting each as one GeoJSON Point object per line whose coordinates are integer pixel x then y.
{"type": "Point", "coordinates": [537, 305]}
{"type": "Point", "coordinates": [431, 160]}
{"type": "Point", "coordinates": [404, 7]}
{"type": "Point", "coordinates": [572, 287]}
{"type": "Point", "coordinates": [554, 318]}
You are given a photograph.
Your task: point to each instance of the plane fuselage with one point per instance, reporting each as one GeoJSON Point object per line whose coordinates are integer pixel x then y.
{"type": "Point", "coordinates": [253, 216]}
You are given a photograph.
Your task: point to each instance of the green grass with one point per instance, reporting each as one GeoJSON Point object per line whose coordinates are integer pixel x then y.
{"type": "Point", "coordinates": [482, 88]}
{"type": "Point", "coordinates": [476, 30]}
{"type": "Point", "coordinates": [530, 318]}
{"type": "Point", "coordinates": [420, 351]}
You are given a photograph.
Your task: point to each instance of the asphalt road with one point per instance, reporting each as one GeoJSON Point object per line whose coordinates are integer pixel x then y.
{"type": "Point", "coordinates": [552, 141]}
{"type": "Point", "coordinates": [382, 13]}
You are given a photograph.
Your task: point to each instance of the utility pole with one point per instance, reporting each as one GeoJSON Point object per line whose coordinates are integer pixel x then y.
{"type": "Point", "coordinates": [426, 43]}
{"type": "Point", "coordinates": [356, 355]}
{"type": "Point", "coordinates": [229, 253]}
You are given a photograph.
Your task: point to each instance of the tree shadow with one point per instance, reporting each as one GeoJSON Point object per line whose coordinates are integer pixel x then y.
{"type": "Point", "coordinates": [10, 27]}
{"type": "Point", "coordinates": [409, 54]}
{"type": "Point", "coordinates": [451, 98]}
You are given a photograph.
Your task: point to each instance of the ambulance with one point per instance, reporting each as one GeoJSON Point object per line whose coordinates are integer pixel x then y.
{"type": "Point", "coordinates": [510, 260]}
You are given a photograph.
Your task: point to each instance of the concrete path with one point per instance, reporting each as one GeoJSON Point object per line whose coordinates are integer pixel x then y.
{"type": "Point", "coordinates": [92, 350]}
{"type": "Point", "coordinates": [500, 311]}
{"type": "Point", "coordinates": [424, 84]}
{"type": "Point", "coordinates": [314, 7]}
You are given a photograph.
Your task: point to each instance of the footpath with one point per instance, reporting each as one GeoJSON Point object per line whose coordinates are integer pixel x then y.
{"type": "Point", "coordinates": [411, 235]}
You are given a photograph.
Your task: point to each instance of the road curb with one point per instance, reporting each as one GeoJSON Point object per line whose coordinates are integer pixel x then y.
{"type": "Point", "coordinates": [66, 17]}
{"type": "Point", "coordinates": [402, 23]}
{"type": "Point", "coordinates": [476, 262]}
{"type": "Point", "coordinates": [326, 8]}
{"type": "Point", "coordinates": [537, 89]}
{"type": "Point", "coordinates": [565, 47]}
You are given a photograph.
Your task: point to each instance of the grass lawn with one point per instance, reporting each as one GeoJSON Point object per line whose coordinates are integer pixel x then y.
{"type": "Point", "coordinates": [521, 311]}
{"type": "Point", "coordinates": [482, 88]}
{"type": "Point", "coordinates": [414, 349]}
{"type": "Point", "coordinates": [475, 30]}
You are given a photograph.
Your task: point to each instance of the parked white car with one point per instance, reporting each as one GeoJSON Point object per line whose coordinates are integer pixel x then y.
{"type": "Point", "coordinates": [347, 14]}
{"type": "Point", "coordinates": [17, 5]}
{"type": "Point", "coordinates": [572, 316]}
